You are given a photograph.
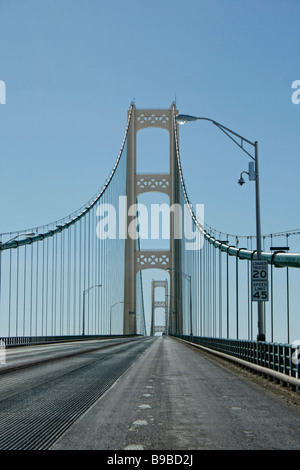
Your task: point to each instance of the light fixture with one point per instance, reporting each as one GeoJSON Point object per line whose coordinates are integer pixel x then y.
{"type": "Point", "coordinates": [183, 118]}
{"type": "Point", "coordinates": [241, 181]}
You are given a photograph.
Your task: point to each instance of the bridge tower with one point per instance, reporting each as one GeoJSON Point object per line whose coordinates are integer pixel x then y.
{"type": "Point", "coordinates": [159, 304]}
{"type": "Point", "coordinates": [136, 184]}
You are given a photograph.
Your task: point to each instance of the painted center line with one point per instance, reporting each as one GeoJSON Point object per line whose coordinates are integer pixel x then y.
{"type": "Point", "coordinates": [140, 422]}
{"type": "Point", "coordinates": [134, 447]}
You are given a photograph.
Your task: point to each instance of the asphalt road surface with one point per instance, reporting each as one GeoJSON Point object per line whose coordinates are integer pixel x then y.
{"type": "Point", "coordinates": [173, 397]}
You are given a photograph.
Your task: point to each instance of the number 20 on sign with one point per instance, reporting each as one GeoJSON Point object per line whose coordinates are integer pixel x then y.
{"type": "Point", "coordinates": [259, 281]}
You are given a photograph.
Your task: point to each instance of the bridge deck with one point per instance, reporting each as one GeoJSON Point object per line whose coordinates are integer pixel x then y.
{"type": "Point", "coordinates": [174, 398]}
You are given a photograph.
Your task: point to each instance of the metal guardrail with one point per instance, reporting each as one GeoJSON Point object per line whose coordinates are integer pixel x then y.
{"type": "Point", "coordinates": [15, 341]}
{"type": "Point", "coordinates": [282, 360]}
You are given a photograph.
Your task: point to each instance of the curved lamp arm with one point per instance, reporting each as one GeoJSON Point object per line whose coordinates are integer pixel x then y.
{"type": "Point", "coordinates": [183, 118]}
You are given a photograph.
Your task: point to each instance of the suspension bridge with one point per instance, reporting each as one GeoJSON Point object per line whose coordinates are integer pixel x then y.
{"type": "Point", "coordinates": [73, 319]}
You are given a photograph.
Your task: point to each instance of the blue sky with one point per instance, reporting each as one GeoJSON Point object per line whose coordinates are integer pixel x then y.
{"type": "Point", "coordinates": [72, 67]}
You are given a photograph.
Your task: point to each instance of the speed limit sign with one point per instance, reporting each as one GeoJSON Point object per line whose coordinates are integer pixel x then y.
{"type": "Point", "coordinates": [259, 280]}
{"type": "Point", "coordinates": [259, 270]}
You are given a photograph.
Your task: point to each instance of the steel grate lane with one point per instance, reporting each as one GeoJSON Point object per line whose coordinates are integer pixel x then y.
{"type": "Point", "coordinates": [34, 419]}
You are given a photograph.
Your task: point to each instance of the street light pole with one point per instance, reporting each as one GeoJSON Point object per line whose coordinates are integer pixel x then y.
{"type": "Point", "coordinates": [191, 316]}
{"type": "Point", "coordinates": [182, 119]}
{"type": "Point", "coordinates": [189, 278]}
{"type": "Point", "coordinates": [83, 306]}
{"type": "Point", "coordinates": [111, 307]}
{"type": "Point", "coordinates": [261, 327]}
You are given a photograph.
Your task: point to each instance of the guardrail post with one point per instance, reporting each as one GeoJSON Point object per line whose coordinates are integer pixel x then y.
{"type": "Point", "coordinates": [294, 358]}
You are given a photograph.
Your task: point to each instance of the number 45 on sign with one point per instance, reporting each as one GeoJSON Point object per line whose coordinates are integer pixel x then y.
{"type": "Point", "coordinates": [259, 281]}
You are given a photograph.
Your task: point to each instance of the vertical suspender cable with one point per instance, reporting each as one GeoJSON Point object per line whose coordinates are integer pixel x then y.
{"type": "Point", "coordinates": [36, 287]}
{"type": "Point", "coordinates": [31, 291]}
{"type": "Point", "coordinates": [237, 296]}
{"type": "Point", "coordinates": [220, 294]}
{"type": "Point", "coordinates": [24, 293]}
{"type": "Point", "coordinates": [287, 299]}
{"type": "Point", "coordinates": [227, 287]}
{"type": "Point", "coordinates": [43, 288]}
{"type": "Point", "coordinates": [17, 291]}
{"type": "Point", "coordinates": [9, 293]}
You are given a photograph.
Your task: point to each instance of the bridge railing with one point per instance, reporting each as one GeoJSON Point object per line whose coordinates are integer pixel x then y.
{"type": "Point", "coordinates": [282, 359]}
